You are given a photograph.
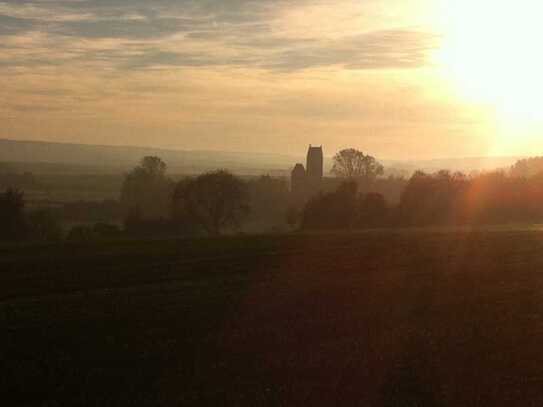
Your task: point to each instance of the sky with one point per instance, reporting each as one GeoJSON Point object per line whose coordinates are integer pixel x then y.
{"type": "Point", "coordinates": [397, 79]}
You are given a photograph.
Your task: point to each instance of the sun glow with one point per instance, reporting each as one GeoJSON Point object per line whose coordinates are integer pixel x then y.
{"type": "Point", "coordinates": [491, 51]}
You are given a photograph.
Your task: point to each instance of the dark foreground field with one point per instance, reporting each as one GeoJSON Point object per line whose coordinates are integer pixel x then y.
{"type": "Point", "coordinates": [376, 319]}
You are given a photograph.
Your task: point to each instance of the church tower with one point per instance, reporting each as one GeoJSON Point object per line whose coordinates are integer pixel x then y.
{"type": "Point", "coordinates": [306, 182]}
{"type": "Point", "coordinates": [315, 164]}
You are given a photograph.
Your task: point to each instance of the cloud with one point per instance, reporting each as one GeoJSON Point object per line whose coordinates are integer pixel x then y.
{"type": "Point", "coordinates": [126, 28]}
{"type": "Point", "coordinates": [205, 33]}
{"type": "Point", "coordinates": [236, 74]}
{"type": "Point", "coordinates": [12, 25]}
{"type": "Point", "coordinates": [393, 49]}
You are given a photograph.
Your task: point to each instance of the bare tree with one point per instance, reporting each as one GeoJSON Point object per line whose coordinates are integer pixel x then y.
{"type": "Point", "coordinates": [154, 166]}
{"type": "Point", "coordinates": [351, 163]}
{"type": "Point", "coordinates": [216, 201]}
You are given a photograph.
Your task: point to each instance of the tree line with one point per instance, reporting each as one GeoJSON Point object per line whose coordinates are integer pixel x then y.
{"type": "Point", "coordinates": [152, 204]}
{"type": "Point", "coordinates": [218, 201]}
{"type": "Point", "coordinates": [211, 202]}
{"type": "Point", "coordinates": [18, 224]}
{"type": "Point", "coordinates": [439, 199]}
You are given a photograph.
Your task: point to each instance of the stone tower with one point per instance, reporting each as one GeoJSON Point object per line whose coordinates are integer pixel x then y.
{"type": "Point", "coordinates": [315, 164]}
{"type": "Point", "coordinates": [306, 182]}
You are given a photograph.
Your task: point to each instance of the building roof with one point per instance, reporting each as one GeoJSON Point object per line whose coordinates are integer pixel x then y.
{"type": "Point", "coordinates": [298, 168]}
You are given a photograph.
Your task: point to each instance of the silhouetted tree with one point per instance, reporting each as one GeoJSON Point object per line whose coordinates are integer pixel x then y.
{"type": "Point", "coordinates": [132, 221]}
{"type": "Point", "coordinates": [148, 189]}
{"type": "Point", "coordinates": [527, 167]}
{"type": "Point", "coordinates": [390, 188]}
{"type": "Point", "coordinates": [12, 219]}
{"type": "Point", "coordinates": [335, 210]}
{"type": "Point", "coordinates": [215, 201]}
{"type": "Point", "coordinates": [351, 163]}
{"type": "Point", "coordinates": [269, 198]}
{"type": "Point", "coordinates": [442, 198]}
{"type": "Point", "coordinates": [372, 211]}
{"type": "Point", "coordinates": [439, 198]}
{"type": "Point", "coordinates": [179, 209]}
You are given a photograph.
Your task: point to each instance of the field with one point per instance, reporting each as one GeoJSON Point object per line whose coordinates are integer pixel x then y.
{"type": "Point", "coordinates": [407, 318]}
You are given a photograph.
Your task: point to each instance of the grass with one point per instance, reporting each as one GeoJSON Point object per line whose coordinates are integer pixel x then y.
{"type": "Point", "coordinates": [405, 318]}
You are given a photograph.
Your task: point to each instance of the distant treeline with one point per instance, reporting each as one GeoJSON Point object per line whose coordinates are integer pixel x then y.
{"type": "Point", "coordinates": [431, 200]}
{"type": "Point", "coordinates": [44, 224]}
{"type": "Point", "coordinates": [151, 204]}
{"type": "Point", "coordinates": [16, 224]}
{"type": "Point", "coordinates": [491, 198]}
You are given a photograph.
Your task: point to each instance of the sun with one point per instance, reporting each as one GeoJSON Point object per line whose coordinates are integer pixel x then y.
{"type": "Point", "coordinates": [491, 51]}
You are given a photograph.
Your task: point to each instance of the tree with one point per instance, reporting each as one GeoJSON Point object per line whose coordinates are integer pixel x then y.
{"type": "Point", "coordinates": [372, 211]}
{"type": "Point", "coordinates": [154, 166]}
{"type": "Point", "coordinates": [439, 198]}
{"type": "Point", "coordinates": [12, 219]}
{"type": "Point", "coordinates": [269, 199]}
{"type": "Point", "coordinates": [147, 189]}
{"type": "Point", "coordinates": [179, 209]}
{"type": "Point", "coordinates": [215, 201]}
{"type": "Point", "coordinates": [527, 167]}
{"type": "Point", "coordinates": [351, 163]}
{"type": "Point", "coordinates": [334, 210]}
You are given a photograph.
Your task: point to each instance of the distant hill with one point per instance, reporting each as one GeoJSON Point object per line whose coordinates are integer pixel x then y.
{"type": "Point", "coordinates": [465, 165]}
{"type": "Point", "coordinates": [46, 157]}
{"type": "Point", "coordinates": [58, 157]}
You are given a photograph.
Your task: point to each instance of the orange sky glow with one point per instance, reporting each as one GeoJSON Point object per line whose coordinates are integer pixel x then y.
{"type": "Point", "coordinates": [417, 79]}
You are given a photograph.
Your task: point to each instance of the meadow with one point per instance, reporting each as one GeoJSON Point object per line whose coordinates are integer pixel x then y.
{"type": "Point", "coordinates": [378, 318]}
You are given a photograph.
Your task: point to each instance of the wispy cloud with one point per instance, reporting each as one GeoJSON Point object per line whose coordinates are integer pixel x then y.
{"type": "Point", "coordinates": [221, 72]}
{"type": "Point", "coordinates": [198, 33]}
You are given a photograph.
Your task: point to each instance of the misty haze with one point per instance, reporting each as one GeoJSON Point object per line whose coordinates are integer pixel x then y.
{"type": "Point", "coordinates": [271, 203]}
